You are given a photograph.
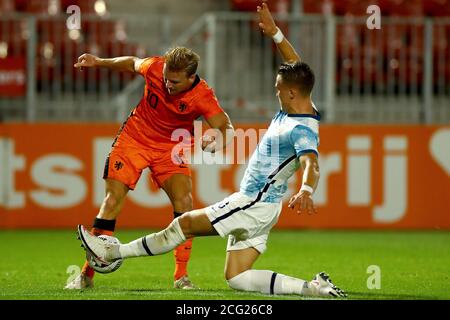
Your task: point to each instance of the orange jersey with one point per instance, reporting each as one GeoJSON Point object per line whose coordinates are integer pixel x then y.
{"type": "Point", "coordinates": [158, 114]}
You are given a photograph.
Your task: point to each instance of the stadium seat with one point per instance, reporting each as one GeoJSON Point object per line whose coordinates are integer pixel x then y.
{"type": "Point", "coordinates": [12, 48]}
{"type": "Point", "coordinates": [441, 55]}
{"type": "Point", "coordinates": [354, 7]}
{"type": "Point", "coordinates": [105, 30]}
{"type": "Point", "coordinates": [86, 6]}
{"type": "Point", "coordinates": [388, 7]}
{"type": "Point", "coordinates": [20, 5]}
{"type": "Point", "coordinates": [349, 34]}
{"type": "Point", "coordinates": [59, 48]}
{"type": "Point", "coordinates": [66, 3]}
{"type": "Point", "coordinates": [406, 8]}
{"type": "Point", "coordinates": [115, 48]}
{"type": "Point", "coordinates": [437, 8]}
{"type": "Point", "coordinates": [319, 7]}
{"type": "Point", "coordinates": [276, 6]}
{"type": "Point", "coordinates": [11, 29]}
{"type": "Point", "coordinates": [48, 7]}
{"type": "Point", "coordinates": [98, 7]}
{"type": "Point", "coordinates": [400, 46]}
{"type": "Point", "coordinates": [51, 29]}
{"type": "Point", "coordinates": [441, 37]}
{"type": "Point", "coordinates": [91, 79]}
{"type": "Point", "coordinates": [441, 79]}
{"type": "Point", "coordinates": [46, 64]}
{"type": "Point", "coordinates": [244, 5]}
{"type": "Point", "coordinates": [7, 7]}
{"type": "Point", "coordinates": [13, 36]}
{"type": "Point", "coordinates": [405, 45]}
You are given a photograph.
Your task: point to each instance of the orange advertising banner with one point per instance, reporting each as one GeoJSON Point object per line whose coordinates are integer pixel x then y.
{"type": "Point", "coordinates": [372, 177]}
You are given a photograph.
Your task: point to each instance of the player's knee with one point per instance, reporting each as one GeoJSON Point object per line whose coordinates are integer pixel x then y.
{"type": "Point", "coordinates": [241, 281]}
{"type": "Point", "coordinates": [186, 224]}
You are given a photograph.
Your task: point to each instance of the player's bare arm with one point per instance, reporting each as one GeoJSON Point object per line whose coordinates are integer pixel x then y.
{"type": "Point", "coordinates": [221, 122]}
{"type": "Point", "coordinates": [269, 28]}
{"type": "Point", "coordinates": [302, 200]}
{"type": "Point", "coordinates": [127, 63]}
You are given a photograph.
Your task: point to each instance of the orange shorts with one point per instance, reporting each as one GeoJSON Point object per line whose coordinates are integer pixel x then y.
{"type": "Point", "coordinates": [128, 158]}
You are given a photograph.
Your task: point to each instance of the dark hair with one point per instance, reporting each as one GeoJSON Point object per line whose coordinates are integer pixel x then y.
{"type": "Point", "coordinates": [298, 74]}
{"type": "Point", "coordinates": [182, 59]}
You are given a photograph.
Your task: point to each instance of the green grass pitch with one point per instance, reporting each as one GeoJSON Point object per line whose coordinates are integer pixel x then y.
{"type": "Point", "coordinates": [414, 265]}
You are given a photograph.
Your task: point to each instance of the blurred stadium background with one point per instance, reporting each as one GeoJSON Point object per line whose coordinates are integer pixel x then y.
{"type": "Point", "coordinates": [399, 74]}
{"type": "Point", "coordinates": [384, 96]}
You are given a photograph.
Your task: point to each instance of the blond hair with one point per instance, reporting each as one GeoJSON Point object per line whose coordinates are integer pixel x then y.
{"type": "Point", "coordinates": [182, 59]}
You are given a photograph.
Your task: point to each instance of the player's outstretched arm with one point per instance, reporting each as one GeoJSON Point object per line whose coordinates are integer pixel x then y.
{"type": "Point", "coordinates": [270, 29]}
{"type": "Point", "coordinates": [129, 63]}
{"type": "Point", "coordinates": [302, 199]}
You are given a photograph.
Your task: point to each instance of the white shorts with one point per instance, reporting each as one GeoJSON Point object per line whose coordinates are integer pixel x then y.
{"type": "Point", "coordinates": [246, 221]}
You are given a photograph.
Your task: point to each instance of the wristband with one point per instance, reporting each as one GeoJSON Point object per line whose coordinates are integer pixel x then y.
{"type": "Point", "coordinates": [278, 37]}
{"type": "Point", "coordinates": [305, 187]}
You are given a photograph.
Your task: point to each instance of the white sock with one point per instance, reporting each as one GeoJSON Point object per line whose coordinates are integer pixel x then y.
{"type": "Point", "coordinates": [269, 282]}
{"type": "Point", "coordinates": [155, 243]}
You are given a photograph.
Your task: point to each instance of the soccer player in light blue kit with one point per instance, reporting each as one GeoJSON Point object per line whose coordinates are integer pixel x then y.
{"type": "Point", "coordinates": [247, 216]}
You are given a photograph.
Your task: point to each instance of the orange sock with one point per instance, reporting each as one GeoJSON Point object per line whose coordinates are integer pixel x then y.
{"type": "Point", "coordinates": [182, 254]}
{"type": "Point", "coordinates": [87, 270]}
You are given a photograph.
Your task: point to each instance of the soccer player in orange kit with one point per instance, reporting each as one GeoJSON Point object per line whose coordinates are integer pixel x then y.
{"type": "Point", "coordinates": [174, 96]}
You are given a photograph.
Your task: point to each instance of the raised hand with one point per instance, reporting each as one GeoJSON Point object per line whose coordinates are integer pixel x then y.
{"type": "Point", "coordinates": [267, 24]}
{"type": "Point", "coordinates": [86, 60]}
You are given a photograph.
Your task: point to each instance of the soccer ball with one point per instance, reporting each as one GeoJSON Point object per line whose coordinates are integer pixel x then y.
{"type": "Point", "coordinates": [99, 266]}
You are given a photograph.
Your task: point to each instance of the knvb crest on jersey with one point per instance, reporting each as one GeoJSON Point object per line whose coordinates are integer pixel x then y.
{"type": "Point", "coordinates": [182, 107]}
{"type": "Point", "coordinates": [118, 165]}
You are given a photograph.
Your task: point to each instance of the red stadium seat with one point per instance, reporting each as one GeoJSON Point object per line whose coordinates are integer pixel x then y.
{"type": "Point", "coordinates": [48, 7]}
{"type": "Point", "coordinates": [90, 6]}
{"type": "Point", "coordinates": [441, 37]}
{"type": "Point", "coordinates": [354, 7]}
{"type": "Point", "coordinates": [105, 30]}
{"type": "Point", "coordinates": [53, 30]}
{"type": "Point", "coordinates": [388, 7]}
{"type": "Point", "coordinates": [12, 48]}
{"type": "Point", "coordinates": [13, 36]}
{"type": "Point", "coordinates": [20, 5]}
{"type": "Point", "coordinates": [86, 6]}
{"type": "Point", "coordinates": [58, 49]}
{"type": "Point", "coordinates": [400, 37]}
{"type": "Point", "coordinates": [280, 7]}
{"type": "Point", "coordinates": [341, 7]}
{"type": "Point", "coordinates": [46, 64]}
{"type": "Point", "coordinates": [7, 6]}
{"type": "Point", "coordinates": [437, 8]}
{"type": "Point", "coordinates": [441, 55]}
{"type": "Point", "coordinates": [11, 29]}
{"type": "Point", "coordinates": [319, 6]}
{"type": "Point", "coordinates": [403, 52]}
{"type": "Point", "coordinates": [115, 49]}
{"type": "Point", "coordinates": [276, 6]}
{"type": "Point", "coordinates": [66, 3]}
{"type": "Point", "coordinates": [349, 34]}
{"type": "Point", "coordinates": [406, 8]}
{"type": "Point", "coordinates": [91, 78]}
{"type": "Point", "coordinates": [358, 62]}
{"type": "Point", "coordinates": [244, 5]}
{"type": "Point", "coordinates": [400, 46]}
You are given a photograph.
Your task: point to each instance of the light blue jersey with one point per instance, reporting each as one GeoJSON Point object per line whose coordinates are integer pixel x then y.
{"type": "Point", "coordinates": [275, 159]}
